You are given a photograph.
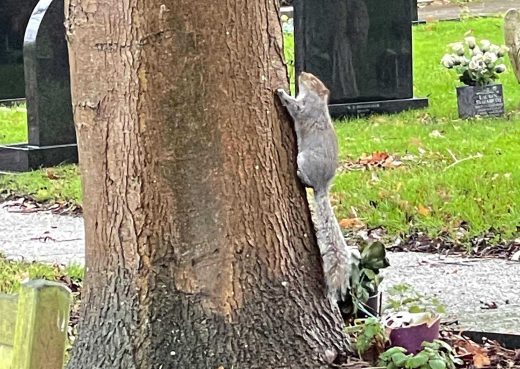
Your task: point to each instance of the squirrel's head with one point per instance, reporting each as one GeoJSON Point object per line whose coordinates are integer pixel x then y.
{"type": "Point", "coordinates": [310, 83]}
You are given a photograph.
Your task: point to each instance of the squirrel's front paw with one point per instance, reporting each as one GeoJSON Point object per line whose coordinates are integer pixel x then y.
{"type": "Point", "coordinates": [280, 92]}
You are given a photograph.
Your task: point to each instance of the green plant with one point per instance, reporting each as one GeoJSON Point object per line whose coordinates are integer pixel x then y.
{"type": "Point", "coordinates": [477, 64]}
{"type": "Point", "coordinates": [368, 334]}
{"type": "Point", "coordinates": [435, 355]}
{"type": "Point", "coordinates": [403, 297]}
{"type": "Point", "coordinates": [365, 277]}
{"type": "Point", "coordinates": [373, 259]}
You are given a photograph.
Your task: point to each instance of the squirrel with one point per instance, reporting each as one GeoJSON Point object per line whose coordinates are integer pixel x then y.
{"type": "Point", "coordinates": [317, 162]}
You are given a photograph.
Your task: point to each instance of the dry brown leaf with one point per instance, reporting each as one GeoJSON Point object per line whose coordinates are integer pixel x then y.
{"type": "Point", "coordinates": [351, 223]}
{"type": "Point", "coordinates": [479, 354]}
{"type": "Point", "coordinates": [51, 174]}
{"type": "Point", "coordinates": [423, 210]}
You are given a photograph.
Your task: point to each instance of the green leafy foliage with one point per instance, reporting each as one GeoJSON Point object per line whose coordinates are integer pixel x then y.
{"type": "Point", "coordinates": [435, 355]}
{"type": "Point", "coordinates": [367, 334]}
{"type": "Point", "coordinates": [403, 297]}
{"type": "Point", "coordinates": [365, 277]}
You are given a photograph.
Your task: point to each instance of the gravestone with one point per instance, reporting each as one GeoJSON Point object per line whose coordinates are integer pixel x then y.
{"type": "Point", "coordinates": [512, 39]}
{"type": "Point", "coordinates": [52, 137]}
{"type": "Point", "coordinates": [14, 15]}
{"type": "Point", "coordinates": [360, 49]}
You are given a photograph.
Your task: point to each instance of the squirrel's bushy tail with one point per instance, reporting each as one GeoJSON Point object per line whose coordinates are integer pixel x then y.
{"type": "Point", "coordinates": [333, 248]}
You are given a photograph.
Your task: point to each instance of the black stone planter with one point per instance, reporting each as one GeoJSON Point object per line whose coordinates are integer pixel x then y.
{"type": "Point", "coordinates": [484, 101]}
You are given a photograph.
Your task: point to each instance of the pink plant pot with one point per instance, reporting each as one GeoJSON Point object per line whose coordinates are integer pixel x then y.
{"type": "Point", "coordinates": [411, 337]}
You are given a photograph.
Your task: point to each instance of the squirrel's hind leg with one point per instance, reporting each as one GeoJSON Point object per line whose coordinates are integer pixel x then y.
{"type": "Point", "coordinates": [304, 177]}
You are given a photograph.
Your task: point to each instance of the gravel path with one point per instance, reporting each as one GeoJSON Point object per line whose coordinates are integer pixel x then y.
{"type": "Point", "coordinates": [459, 282]}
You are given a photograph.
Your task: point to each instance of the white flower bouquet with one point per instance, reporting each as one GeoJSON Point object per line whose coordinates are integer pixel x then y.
{"type": "Point", "coordinates": [477, 64]}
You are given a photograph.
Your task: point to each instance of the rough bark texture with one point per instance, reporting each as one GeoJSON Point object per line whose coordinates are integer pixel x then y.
{"type": "Point", "coordinates": [200, 248]}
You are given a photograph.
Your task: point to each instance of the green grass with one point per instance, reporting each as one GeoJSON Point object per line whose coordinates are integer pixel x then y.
{"type": "Point", "coordinates": [425, 193]}
{"type": "Point", "coordinates": [12, 273]}
{"type": "Point", "coordinates": [13, 124]}
{"type": "Point", "coordinates": [53, 185]}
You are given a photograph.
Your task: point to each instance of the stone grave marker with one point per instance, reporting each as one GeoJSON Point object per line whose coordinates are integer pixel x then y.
{"type": "Point", "coordinates": [14, 15]}
{"type": "Point", "coordinates": [512, 39]}
{"type": "Point", "coordinates": [52, 137]}
{"type": "Point", "coordinates": [361, 49]}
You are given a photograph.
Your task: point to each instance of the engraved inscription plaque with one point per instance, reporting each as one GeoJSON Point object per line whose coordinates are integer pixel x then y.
{"type": "Point", "coordinates": [484, 101]}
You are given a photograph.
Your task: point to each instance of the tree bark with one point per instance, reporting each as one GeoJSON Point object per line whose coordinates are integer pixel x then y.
{"type": "Point", "coordinates": [200, 250]}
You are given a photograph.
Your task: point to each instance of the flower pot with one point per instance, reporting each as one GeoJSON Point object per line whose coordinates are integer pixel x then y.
{"type": "Point", "coordinates": [374, 304]}
{"type": "Point", "coordinates": [411, 330]}
{"type": "Point", "coordinates": [370, 308]}
{"type": "Point", "coordinates": [483, 101]}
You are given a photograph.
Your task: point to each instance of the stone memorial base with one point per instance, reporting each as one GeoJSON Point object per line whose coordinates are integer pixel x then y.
{"type": "Point", "coordinates": [24, 157]}
{"type": "Point", "coordinates": [11, 102]}
{"type": "Point", "coordinates": [484, 101]}
{"type": "Point", "coordinates": [360, 109]}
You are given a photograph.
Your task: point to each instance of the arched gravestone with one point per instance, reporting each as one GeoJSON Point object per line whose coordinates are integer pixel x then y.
{"type": "Point", "coordinates": [52, 137]}
{"type": "Point", "coordinates": [361, 49]}
{"type": "Point", "coordinates": [14, 15]}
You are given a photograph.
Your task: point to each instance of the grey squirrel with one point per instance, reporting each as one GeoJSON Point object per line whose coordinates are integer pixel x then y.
{"type": "Point", "coordinates": [317, 161]}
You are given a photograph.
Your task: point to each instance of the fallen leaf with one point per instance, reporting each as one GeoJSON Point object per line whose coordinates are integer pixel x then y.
{"type": "Point", "coordinates": [479, 354]}
{"type": "Point", "coordinates": [351, 223]}
{"type": "Point", "coordinates": [51, 174]}
{"type": "Point", "coordinates": [422, 210]}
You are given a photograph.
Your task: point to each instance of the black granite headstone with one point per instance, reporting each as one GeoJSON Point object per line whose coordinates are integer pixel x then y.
{"type": "Point", "coordinates": [52, 137]}
{"type": "Point", "coordinates": [484, 101]}
{"type": "Point", "coordinates": [361, 49]}
{"type": "Point", "coordinates": [14, 15]}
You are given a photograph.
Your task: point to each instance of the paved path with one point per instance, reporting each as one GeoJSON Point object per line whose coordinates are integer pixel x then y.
{"type": "Point", "coordinates": [464, 285]}
{"type": "Point", "coordinates": [41, 236]}
{"type": "Point", "coordinates": [476, 8]}
{"type": "Point", "coordinates": [460, 283]}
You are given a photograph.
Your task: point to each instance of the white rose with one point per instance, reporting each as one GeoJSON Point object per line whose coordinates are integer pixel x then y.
{"type": "Point", "coordinates": [476, 51]}
{"type": "Point", "coordinates": [464, 61]}
{"type": "Point", "coordinates": [485, 45]}
{"type": "Point", "coordinates": [477, 65]}
{"type": "Point", "coordinates": [494, 49]}
{"type": "Point", "coordinates": [471, 42]}
{"type": "Point", "coordinates": [447, 61]}
{"type": "Point", "coordinates": [458, 48]}
{"type": "Point", "coordinates": [489, 57]}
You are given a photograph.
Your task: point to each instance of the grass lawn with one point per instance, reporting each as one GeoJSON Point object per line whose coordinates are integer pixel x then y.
{"type": "Point", "coordinates": [13, 124]}
{"type": "Point", "coordinates": [428, 192]}
{"type": "Point", "coordinates": [12, 273]}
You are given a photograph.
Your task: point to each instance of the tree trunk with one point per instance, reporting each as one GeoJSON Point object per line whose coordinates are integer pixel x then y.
{"type": "Point", "coordinates": [200, 251]}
